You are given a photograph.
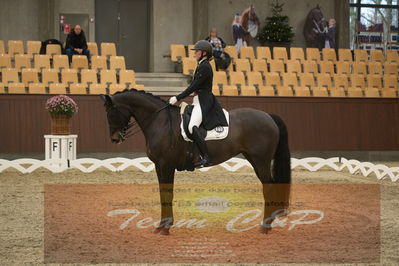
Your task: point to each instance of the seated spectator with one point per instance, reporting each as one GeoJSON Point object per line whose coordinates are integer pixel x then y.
{"type": "Point", "coordinates": [222, 58]}
{"type": "Point", "coordinates": [76, 43]}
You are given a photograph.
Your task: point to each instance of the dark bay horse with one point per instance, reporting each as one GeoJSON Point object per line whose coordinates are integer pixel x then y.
{"type": "Point", "coordinates": [260, 137]}
{"type": "Point", "coordinates": [314, 24]}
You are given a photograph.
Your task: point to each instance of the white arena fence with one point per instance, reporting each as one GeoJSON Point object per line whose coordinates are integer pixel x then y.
{"type": "Point", "coordinates": [88, 165]}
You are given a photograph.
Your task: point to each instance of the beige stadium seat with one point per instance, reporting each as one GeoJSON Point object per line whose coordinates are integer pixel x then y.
{"type": "Point", "coordinates": [33, 47]}
{"type": "Point", "coordinates": [232, 51]}
{"type": "Point", "coordinates": [375, 67]}
{"type": "Point", "coordinates": [389, 93]}
{"type": "Point", "coordinates": [345, 55]}
{"type": "Point", "coordinates": [189, 65]}
{"type": "Point", "coordinates": [277, 66]}
{"type": "Point", "coordinates": [108, 49]}
{"type": "Point", "coordinates": [237, 78]}
{"type": "Point", "coordinates": [390, 68]}
{"type": "Point", "coordinates": [259, 65]}
{"type": "Point", "coordinates": [289, 79]}
{"type": "Point", "coordinates": [280, 53]}
{"type": "Point", "coordinates": [294, 66]}
{"type": "Point", "coordinates": [191, 53]}
{"type": "Point", "coordinates": [42, 61]}
{"type": "Point", "coordinates": [247, 52]}
{"type": "Point", "coordinates": [361, 55]}
{"type": "Point", "coordinates": [329, 55]}
{"type": "Point", "coordinates": [88, 76]}
{"type": "Point", "coordinates": [307, 80]}
{"type": "Point", "coordinates": [60, 62]}
{"type": "Point", "coordinates": [78, 88]}
{"type": "Point", "coordinates": [248, 90]}
{"type": "Point", "coordinates": [324, 80]}
{"type": "Point", "coordinates": [357, 81]}
{"type": "Point", "coordinates": [140, 87]}
{"type": "Point", "coordinates": [255, 79]}
{"type": "Point", "coordinates": [98, 89]}
{"type": "Point", "coordinates": [69, 76]}
{"type": "Point", "coordinates": [320, 92]}
{"type": "Point", "coordinates": [2, 50]}
{"type": "Point", "coordinates": [327, 67]}
{"type": "Point", "coordinates": [230, 90]}
{"type": "Point", "coordinates": [16, 88]}
{"type": "Point", "coordinates": [302, 91]}
{"type": "Point", "coordinates": [341, 80]}
{"type": "Point", "coordinates": [374, 81]}
{"type": "Point", "coordinates": [50, 76]}
{"type": "Point", "coordinates": [5, 61]}
{"type": "Point", "coordinates": [377, 56]}
{"type": "Point", "coordinates": [22, 61]}
{"type": "Point", "coordinates": [359, 68]}
{"type": "Point", "coordinates": [266, 91]}
{"type": "Point", "coordinates": [219, 78]}
{"type": "Point", "coordinates": [216, 90]}
{"type": "Point", "coordinates": [108, 77]}
{"type": "Point", "coordinates": [57, 88]}
{"type": "Point", "coordinates": [117, 63]}
{"type": "Point", "coordinates": [310, 66]}
{"type": "Point", "coordinates": [2, 90]}
{"type": "Point", "coordinates": [37, 88]}
{"type": "Point", "coordinates": [127, 78]}
{"type": "Point", "coordinates": [114, 88]}
{"type": "Point", "coordinates": [392, 56]}
{"type": "Point", "coordinates": [177, 52]}
{"type": "Point", "coordinates": [355, 92]}
{"type": "Point", "coordinates": [263, 52]}
{"type": "Point", "coordinates": [92, 46]}
{"type": "Point", "coordinates": [296, 53]}
{"type": "Point", "coordinates": [343, 67]}
{"type": "Point", "coordinates": [313, 54]}
{"type": "Point", "coordinates": [372, 93]}
{"type": "Point", "coordinates": [29, 75]}
{"type": "Point", "coordinates": [213, 65]}
{"type": "Point", "coordinates": [272, 79]}
{"type": "Point", "coordinates": [80, 62]}
{"type": "Point", "coordinates": [9, 75]}
{"type": "Point", "coordinates": [53, 49]}
{"type": "Point", "coordinates": [390, 81]}
{"type": "Point", "coordinates": [243, 65]}
{"type": "Point", "coordinates": [285, 91]}
{"type": "Point", "coordinates": [99, 62]}
{"type": "Point", "coordinates": [15, 47]}
{"type": "Point", "coordinates": [337, 92]}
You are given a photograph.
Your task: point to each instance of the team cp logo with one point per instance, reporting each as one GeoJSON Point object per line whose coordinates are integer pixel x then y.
{"type": "Point", "coordinates": [219, 129]}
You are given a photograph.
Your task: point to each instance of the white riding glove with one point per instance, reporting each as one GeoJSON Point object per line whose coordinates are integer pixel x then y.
{"type": "Point", "coordinates": [173, 100]}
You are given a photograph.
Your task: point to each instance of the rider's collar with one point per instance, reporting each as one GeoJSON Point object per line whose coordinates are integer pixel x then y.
{"type": "Point", "coordinates": [204, 58]}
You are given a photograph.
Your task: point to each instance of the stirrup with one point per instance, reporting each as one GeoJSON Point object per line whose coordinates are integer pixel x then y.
{"type": "Point", "coordinates": [202, 163]}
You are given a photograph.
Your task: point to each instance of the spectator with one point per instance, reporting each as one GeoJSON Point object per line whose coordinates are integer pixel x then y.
{"type": "Point", "coordinates": [238, 33]}
{"type": "Point", "coordinates": [330, 34]}
{"type": "Point", "coordinates": [222, 58]}
{"type": "Point", "coordinates": [76, 43]}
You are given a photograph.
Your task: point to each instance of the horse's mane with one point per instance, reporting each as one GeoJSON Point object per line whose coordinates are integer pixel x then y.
{"type": "Point", "coordinates": [142, 92]}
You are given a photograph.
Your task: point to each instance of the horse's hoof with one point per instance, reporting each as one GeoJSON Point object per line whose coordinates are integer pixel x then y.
{"type": "Point", "coordinates": [161, 231]}
{"type": "Point", "coordinates": [264, 230]}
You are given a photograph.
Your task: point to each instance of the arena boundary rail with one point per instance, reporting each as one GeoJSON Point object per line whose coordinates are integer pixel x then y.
{"type": "Point", "coordinates": [88, 165]}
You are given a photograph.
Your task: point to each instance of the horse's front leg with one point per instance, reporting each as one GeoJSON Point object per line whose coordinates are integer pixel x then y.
{"type": "Point", "coordinates": [165, 178]}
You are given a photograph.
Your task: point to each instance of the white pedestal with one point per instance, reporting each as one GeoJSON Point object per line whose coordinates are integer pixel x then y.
{"type": "Point", "coordinates": [60, 147]}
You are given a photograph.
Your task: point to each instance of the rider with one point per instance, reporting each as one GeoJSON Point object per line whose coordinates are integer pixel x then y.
{"type": "Point", "coordinates": [207, 109]}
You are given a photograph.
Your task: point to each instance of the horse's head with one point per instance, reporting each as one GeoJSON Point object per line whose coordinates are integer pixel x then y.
{"type": "Point", "coordinates": [118, 119]}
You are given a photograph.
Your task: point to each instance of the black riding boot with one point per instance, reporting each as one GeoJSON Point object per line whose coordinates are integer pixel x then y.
{"type": "Point", "coordinates": [201, 144]}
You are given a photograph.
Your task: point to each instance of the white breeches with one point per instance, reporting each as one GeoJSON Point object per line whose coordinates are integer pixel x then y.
{"type": "Point", "coordinates": [196, 116]}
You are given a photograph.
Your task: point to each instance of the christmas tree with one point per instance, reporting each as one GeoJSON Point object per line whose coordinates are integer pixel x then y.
{"type": "Point", "coordinates": [276, 28]}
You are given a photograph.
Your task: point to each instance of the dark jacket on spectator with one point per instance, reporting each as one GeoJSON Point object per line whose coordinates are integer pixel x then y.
{"type": "Point", "coordinates": [330, 36]}
{"type": "Point", "coordinates": [76, 41]}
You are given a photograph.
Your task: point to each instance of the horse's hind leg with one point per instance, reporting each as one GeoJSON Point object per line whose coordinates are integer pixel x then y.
{"type": "Point", "coordinates": [273, 194]}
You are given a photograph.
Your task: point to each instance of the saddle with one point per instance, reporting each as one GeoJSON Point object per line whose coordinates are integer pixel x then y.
{"type": "Point", "coordinates": [217, 133]}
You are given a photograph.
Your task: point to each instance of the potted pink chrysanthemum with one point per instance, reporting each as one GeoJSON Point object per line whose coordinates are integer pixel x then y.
{"type": "Point", "coordinates": [61, 109]}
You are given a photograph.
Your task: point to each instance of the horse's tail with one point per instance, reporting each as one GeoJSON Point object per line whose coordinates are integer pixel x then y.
{"type": "Point", "coordinates": [282, 160]}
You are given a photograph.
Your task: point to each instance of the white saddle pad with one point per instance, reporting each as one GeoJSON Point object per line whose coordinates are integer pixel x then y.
{"type": "Point", "coordinates": [217, 133]}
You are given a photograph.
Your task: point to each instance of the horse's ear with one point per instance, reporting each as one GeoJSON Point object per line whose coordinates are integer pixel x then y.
{"type": "Point", "coordinates": [107, 100]}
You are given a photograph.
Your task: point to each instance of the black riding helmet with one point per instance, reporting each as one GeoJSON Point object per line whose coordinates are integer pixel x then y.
{"type": "Point", "coordinates": [204, 46]}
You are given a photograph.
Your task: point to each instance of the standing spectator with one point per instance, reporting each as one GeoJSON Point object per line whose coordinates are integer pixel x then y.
{"type": "Point", "coordinates": [330, 34]}
{"type": "Point", "coordinates": [238, 33]}
{"type": "Point", "coordinates": [76, 43]}
{"type": "Point", "coordinates": [250, 22]}
{"type": "Point", "coordinates": [222, 58]}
